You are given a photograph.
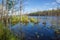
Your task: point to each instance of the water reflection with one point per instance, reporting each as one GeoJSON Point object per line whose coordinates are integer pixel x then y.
{"type": "Point", "coordinates": [38, 31]}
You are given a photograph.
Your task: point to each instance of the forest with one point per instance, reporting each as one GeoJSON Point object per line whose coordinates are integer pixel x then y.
{"type": "Point", "coordinates": [46, 13]}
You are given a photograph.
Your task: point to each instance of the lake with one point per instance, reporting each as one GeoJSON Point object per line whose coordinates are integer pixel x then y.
{"type": "Point", "coordinates": [38, 31]}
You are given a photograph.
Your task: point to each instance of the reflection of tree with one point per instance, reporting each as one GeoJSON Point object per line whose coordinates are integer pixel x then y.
{"type": "Point", "coordinates": [58, 7]}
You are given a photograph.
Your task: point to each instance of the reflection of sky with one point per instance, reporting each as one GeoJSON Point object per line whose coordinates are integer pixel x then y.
{"type": "Point", "coordinates": [37, 5]}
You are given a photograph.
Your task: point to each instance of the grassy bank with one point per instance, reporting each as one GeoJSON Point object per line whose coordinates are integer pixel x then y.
{"type": "Point", "coordinates": [5, 34]}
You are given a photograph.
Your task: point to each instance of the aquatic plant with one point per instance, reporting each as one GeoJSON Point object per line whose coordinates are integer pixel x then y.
{"type": "Point", "coordinates": [57, 31]}
{"type": "Point", "coordinates": [33, 20]}
{"type": "Point", "coordinates": [25, 20]}
{"type": "Point", "coordinates": [16, 19]}
{"type": "Point", "coordinates": [44, 23]}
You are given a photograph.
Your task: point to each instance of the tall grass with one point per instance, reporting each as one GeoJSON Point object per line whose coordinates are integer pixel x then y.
{"type": "Point", "coordinates": [6, 34]}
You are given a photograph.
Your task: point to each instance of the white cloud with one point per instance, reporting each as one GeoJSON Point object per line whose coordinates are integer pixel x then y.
{"type": "Point", "coordinates": [52, 8]}
{"type": "Point", "coordinates": [14, 13]}
{"type": "Point", "coordinates": [58, 1]}
{"type": "Point", "coordinates": [53, 3]}
{"type": "Point", "coordinates": [35, 9]}
{"type": "Point", "coordinates": [47, 4]}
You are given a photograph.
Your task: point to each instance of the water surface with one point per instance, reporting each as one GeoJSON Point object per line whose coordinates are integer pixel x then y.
{"type": "Point", "coordinates": [38, 31]}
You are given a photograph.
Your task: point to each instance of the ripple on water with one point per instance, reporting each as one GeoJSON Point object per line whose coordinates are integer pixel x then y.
{"type": "Point", "coordinates": [32, 31]}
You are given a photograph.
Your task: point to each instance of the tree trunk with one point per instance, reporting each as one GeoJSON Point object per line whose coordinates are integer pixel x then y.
{"type": "Point", "coordinates": [7, 13]}
{"type": "Point", "coordinates": [2, 11]}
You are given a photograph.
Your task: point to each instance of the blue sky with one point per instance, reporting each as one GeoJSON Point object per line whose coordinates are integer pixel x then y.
{"type": "Point", "coordinates": [38, 5]}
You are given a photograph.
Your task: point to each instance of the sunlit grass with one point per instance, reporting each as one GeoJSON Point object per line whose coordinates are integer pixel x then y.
{"type": "Point", "coordinates": [25, 20]}
{"type": "Point", "coordinates": [33, 20]}
{"type": "Point", "coordinates": [6, 34]}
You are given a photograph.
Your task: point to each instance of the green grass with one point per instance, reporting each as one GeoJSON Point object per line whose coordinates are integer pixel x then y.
{"type": "Point", "coordinates": [5, 34]}
{"type": "Point", "coordinates": [25, 20]}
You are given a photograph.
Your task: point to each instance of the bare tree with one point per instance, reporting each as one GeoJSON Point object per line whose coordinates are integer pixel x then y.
{"type": "Point", "coordinates": [2, 11]}
{"type": "Point", "coordinates": [21, 8]}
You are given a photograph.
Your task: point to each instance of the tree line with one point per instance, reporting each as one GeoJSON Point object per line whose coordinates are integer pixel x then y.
{"type": "Point", "coordinates": [46, 13]}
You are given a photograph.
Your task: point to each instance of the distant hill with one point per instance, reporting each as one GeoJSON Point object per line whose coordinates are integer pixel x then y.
{"type": "Point", "coordinates": [46, 13]}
